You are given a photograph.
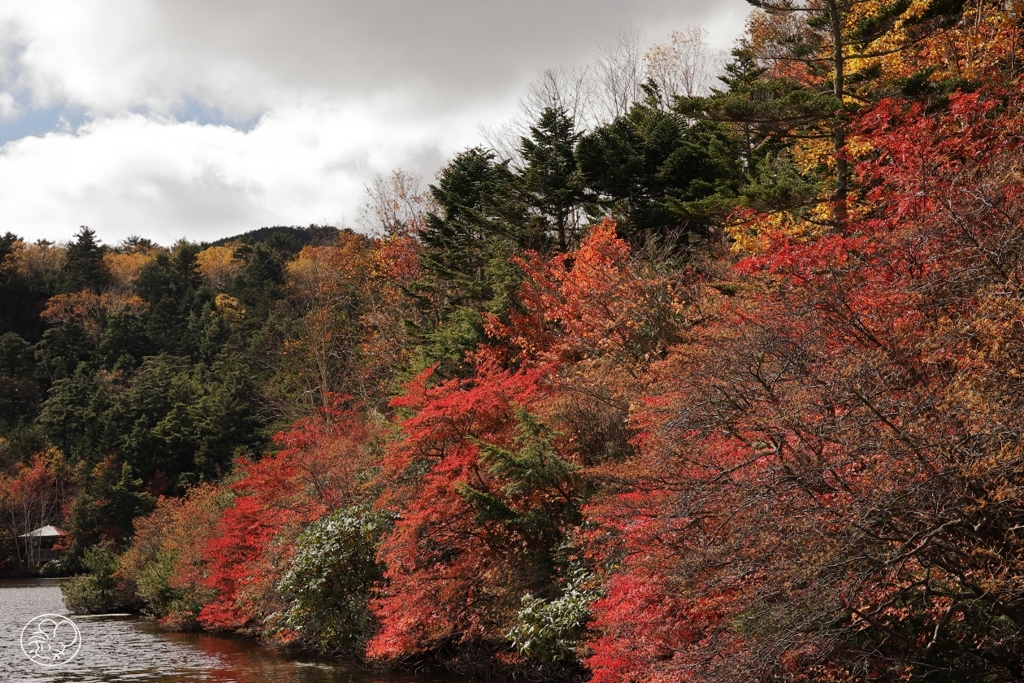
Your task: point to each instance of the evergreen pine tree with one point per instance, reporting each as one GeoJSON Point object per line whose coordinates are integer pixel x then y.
{"type": "Point", "coordinates": [84, 268]}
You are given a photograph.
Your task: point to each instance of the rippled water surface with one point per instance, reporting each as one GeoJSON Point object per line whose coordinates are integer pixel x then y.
{"type": "Point", "coordinates": [126, 648]}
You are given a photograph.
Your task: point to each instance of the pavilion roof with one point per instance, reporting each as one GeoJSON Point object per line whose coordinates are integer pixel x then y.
{"type": "Point", "coordinates": [44, 532]}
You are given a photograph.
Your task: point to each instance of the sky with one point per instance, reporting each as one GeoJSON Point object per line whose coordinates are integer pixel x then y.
{"type": "Point", "coordinates": [202, 119]}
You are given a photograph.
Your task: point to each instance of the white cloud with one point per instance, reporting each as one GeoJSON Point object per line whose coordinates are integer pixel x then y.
{"type": "Point", "coordinates": [341, 89]}
{"type": "Point", "coordinates": [135, 174]}
{"type": "Point", "coordinates": [8, 107]}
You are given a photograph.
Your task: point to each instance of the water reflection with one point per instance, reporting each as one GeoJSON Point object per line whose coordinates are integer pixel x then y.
{"type": "Point", "coordinates": [125, 648]}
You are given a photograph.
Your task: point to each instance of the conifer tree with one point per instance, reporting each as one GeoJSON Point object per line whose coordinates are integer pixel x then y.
{"type": "Point", "coordinates": [551, 182]}
{"type": "Point", "coordinates": [84, 267]}
{"type": "Point", "coordinates": [469, 240]}
{"type": "Point", "coordinates": [806, 66]}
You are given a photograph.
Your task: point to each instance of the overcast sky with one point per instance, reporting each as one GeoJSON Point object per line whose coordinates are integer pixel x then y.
{"type": "Point", "coordinates": [207, 118]}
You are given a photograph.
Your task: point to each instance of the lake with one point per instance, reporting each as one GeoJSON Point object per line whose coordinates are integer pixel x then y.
{"type": "Point", "coordinates": [129, 648]}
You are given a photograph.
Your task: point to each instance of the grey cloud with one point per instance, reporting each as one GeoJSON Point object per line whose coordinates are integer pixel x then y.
{"type": "Point", "coordinates": [451, 49]}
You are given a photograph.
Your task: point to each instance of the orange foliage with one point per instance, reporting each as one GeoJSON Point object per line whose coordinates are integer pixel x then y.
{"type": "Point", "coordinates": [171, 540]}
{"type": "Point", "coordinates": [592, 303]}
{"type": "Point", "coordinates": [83, 308]}
{"type": "Point", "coordinates": [35, 494]}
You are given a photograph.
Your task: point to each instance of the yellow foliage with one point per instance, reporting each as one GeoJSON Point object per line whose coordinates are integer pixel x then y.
{"type": "Point", "coordinates": [319, 272]}
{"type": "Point", "coordinates": [982, 42]}
{"type": "Point", "coordinates": [39, 259]}
{"type": "Point", "coordinates": [124, 269]}
{"type": "Point", "coordinates": [218, 265]}
{"type": "Point", "coordinates": [752, 233]}
{"type": "Point", "coordinates": [228, 306]}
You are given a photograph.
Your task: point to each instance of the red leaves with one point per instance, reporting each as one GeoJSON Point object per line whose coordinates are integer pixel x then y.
{"type": "Point", "coordinates": [800, 449]}
{"type": "Point", "coordinates": [653, 631]}
{"type": "Point", "coordinates": [921, 158]}
{"type": "Point", "coordinates": [234, 558]}
{"type": "Point", "coordinates": [443, 573]}
{"type": "Point", "coordinates": [398, 259]}
{"type": "Point", "coordinates": [590, 317]}
{"type": "Point", "coordinates": [456, 409]}
{"type": "Point", "coordinates": [275, 498]}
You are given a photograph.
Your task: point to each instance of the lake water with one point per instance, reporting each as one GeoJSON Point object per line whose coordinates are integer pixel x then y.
{"type": "Point", "coordinates": [127, 648]}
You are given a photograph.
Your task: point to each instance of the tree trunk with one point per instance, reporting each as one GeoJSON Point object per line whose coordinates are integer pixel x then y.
{"type": "Point", "coordinates": [839, 132]}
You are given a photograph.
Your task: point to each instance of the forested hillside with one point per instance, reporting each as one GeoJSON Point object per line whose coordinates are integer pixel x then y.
{"type": "Point", "coordinates": [715, 384]}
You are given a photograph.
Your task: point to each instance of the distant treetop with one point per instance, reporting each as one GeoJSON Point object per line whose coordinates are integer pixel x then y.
{"type": "Point", "coordinates": [285, 238]}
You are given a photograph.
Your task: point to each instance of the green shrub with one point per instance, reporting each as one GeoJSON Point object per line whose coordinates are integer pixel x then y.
{"type": "Point", "coordinates": [97, 591]}
{"type": "Point", "coordinates": [551, 630]}
{"type": "Point", "coordinates": [329, 582]}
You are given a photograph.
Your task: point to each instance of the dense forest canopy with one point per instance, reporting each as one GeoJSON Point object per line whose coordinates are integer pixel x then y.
{"type": "Point", "coordinates": [667, 382]}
